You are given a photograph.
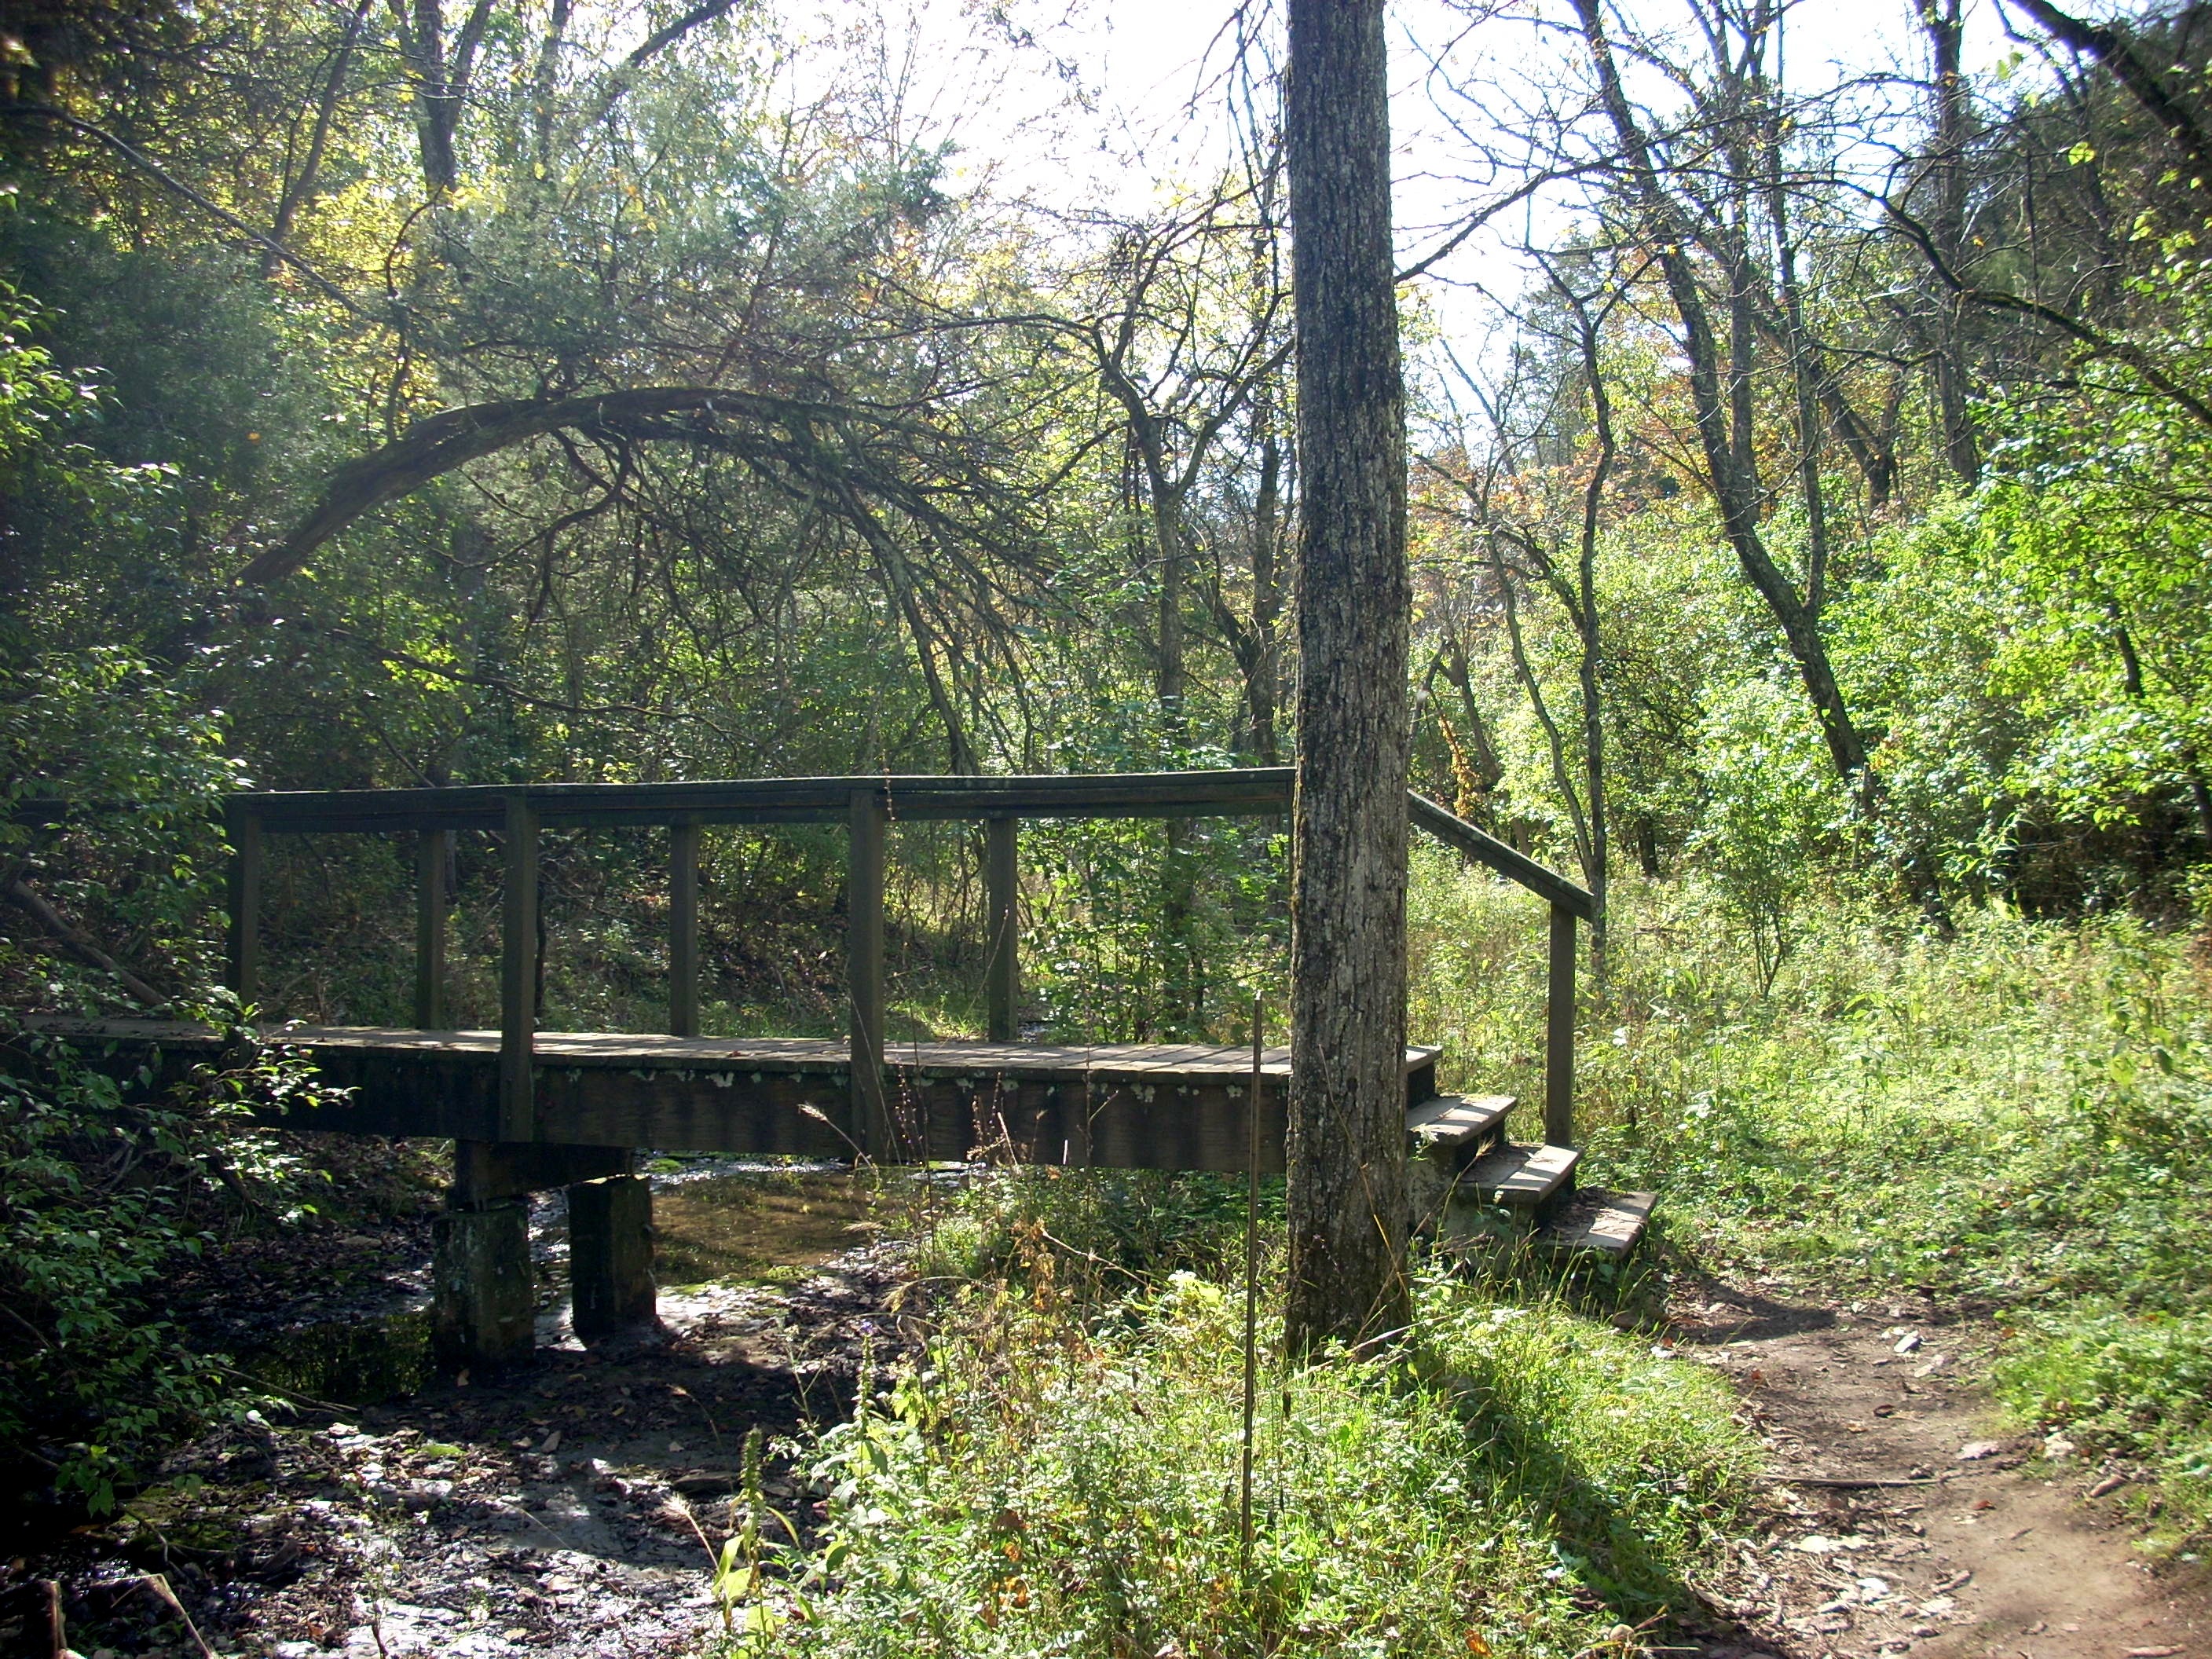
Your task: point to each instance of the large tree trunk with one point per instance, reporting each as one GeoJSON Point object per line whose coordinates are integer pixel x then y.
{"type": "Point", "coordinates": [1347, 1113]}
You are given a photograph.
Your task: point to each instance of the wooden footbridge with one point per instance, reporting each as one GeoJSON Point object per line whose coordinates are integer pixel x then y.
{"type": "Point", "coordinates": [530, 1109]}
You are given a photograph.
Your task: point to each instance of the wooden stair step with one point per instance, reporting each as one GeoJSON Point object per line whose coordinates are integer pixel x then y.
{"type": "Point", "coordinates": [1457, 1123]}
{"type": "Point", "coordinates": [1520, 1177]}
{"type": "Point", "coordinates": [1608, 1224]}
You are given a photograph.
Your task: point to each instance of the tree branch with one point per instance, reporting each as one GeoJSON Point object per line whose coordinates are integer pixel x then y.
{"type": "Point", "coordinates": [2113, 52]}
{"type": "Point", "coordinates": [80, 944]}
{"type": "Point", "coordinates": [438, 443]}
{"type": "Point", "coordinates": [168, 180]}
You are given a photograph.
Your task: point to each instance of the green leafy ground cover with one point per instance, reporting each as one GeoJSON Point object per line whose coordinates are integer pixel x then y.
{"type": "Point", "coordinates": [1063, 1478]}
{"type": "Point", "coordinates": [2016, 1117]}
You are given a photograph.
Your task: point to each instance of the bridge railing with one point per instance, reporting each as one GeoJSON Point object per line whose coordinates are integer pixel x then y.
{"type": "Point", "coordinates": [867, 806]}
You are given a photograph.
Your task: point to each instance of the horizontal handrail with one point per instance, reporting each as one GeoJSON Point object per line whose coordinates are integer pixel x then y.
{"type": "Point", "coordinates": [1255, 791]}
{"type": "Point", "coordinates": [867, 805]}
{"type": "Point", "coordinates": [1457, 833]}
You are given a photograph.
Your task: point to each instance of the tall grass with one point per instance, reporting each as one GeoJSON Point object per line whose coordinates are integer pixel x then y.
{"type": "Point", "coordinates": [1062, 1479]}
{"type": "Point", "coordinates": [2016, 1117]}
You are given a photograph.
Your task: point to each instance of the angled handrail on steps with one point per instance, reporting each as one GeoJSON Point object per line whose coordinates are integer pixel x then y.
{"type": "Point", "coordinates": [1569, 903]}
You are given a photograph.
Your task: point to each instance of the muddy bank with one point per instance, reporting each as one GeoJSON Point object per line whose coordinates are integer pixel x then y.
{"type": "Point", "coordinates": [549, 1510]}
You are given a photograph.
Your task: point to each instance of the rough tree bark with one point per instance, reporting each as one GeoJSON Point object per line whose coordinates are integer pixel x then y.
{"type": "Point", "coordinates": [1347, 1109]}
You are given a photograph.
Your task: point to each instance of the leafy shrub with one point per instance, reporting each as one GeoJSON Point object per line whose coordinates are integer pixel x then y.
{"type": "Point", "coordinates": [104, 1185]}
{"type": "Point", "coordinates": [1106, 1230]}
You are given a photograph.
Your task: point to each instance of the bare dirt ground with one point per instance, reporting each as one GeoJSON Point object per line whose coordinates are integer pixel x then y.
{"type": "Point", "coordinates": [1984, 1548]}
{"type": "Point", "coordinates": [549, 1512]}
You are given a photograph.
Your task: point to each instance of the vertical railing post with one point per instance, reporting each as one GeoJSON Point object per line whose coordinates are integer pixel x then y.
{"type": "Point", "coordinates": [684, 927]}
{"type": "Point", "coordinates": [1560, 1033]}
{"type": "Point", "coordinates": [434, 850]}
{"type": "Point", "coordinates": [1002, 956]}
{"type": "Point", "coordinates": [242, 829]}
{"type": "Point", "coordinates": [518, 973]}
{"type": "Point", "coordinates": [863, 967]}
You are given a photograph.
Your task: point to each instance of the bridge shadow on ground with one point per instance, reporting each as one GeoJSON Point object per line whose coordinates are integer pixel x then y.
{"type": "Point", "coordinates": [549, 1510]}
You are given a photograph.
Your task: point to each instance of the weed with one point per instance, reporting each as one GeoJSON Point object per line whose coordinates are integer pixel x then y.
{"type": "Point", "coordinates": [1517, 1480]}
{"type": "Point", "coordinates": [2015, 1118]}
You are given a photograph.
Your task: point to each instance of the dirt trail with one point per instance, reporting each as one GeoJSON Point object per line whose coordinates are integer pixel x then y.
{"type": "Point", "coordinates": [1999, 1555]}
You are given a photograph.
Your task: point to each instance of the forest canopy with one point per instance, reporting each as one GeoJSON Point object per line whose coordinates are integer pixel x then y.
{"type": "Point", "coordinates": [521, 391]}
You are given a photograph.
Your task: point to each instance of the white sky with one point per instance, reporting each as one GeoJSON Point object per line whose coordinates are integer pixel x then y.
{"type": "Point", "coordinates": [1099, 104]}
{"type": "Point", "coordinates": [1152, 98]}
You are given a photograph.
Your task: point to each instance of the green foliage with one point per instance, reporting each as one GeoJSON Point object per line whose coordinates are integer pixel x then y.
{"type": "Point", "coordinates": [106, 1184]}
{"type": "Point", "coordinates": [2016, 1117]}
{"type": "Point", "coordinates": [2138, 1385]}
{"type": "Point", "coordinates": [1152, 932]}
{"type": "Point", "coordinates": [1104, 1230]}
{"type": "Point", "coordinates": [1772, 804]}
{"type": "Point", "coordinates": [1517, 1483]}
{"type": "Point", "coordinates": [144, 768]}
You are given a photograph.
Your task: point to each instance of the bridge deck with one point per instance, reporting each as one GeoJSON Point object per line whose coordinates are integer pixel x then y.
{"type": "Point", "coordinates": [1178, 1106]}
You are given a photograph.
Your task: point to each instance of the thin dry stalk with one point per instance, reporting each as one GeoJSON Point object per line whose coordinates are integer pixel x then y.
{"type": "Point", "coordinates": [1251, 1287]}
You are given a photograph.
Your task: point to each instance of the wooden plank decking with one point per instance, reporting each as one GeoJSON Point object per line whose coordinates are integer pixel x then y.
{"type": "Point", "coordinates": [1121, 1105]}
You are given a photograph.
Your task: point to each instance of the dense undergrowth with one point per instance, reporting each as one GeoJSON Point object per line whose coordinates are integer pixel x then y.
{"type": "Point", "coordinates": [2015, 1117]}
{"type": "Point", "coordinates": [107, 1182]}
{"type": "Point", "coordinates": [1062, 1477]}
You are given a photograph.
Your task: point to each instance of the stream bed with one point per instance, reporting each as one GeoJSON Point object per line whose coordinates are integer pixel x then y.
{"type": "Point", "coordinates": [377, 1508]}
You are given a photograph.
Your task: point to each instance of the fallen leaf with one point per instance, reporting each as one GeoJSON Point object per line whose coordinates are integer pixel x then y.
{"type": "Point", "coordinates": [1974, 1450]}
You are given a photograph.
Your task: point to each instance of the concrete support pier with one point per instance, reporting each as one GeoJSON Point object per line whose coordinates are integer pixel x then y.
{"type": "Point", "coordinates": [483, 1313]}
{"type": "Point", "coordinates": [610, 1257]}
{"type": "Point", "coordinates": [484, 1295]}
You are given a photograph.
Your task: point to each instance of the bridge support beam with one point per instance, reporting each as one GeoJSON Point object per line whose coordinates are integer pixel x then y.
{"type": "Point", "coordinates": [1560, 1032]}
{"type": "Point", "coordinates": [610, 1257]}
{"type": "Point", "coordinates": [243, 830]}
{"type": "Point", "coordinates": [684, 928]}
{"type": "Point", "coordinates": [518, 973]}
{"type": "Point", "coordinates": [482, 1311]}
{"type": "Point", "coordinates": [872, 1127]}
{"type": "Point", "coordinates": [434, 851]}
{"type": "Point", "coordinates": [1001, 959]}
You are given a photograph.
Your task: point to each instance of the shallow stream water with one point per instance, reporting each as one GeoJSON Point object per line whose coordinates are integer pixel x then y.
{"type": "Point", "coordinates": [713, 1219]}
